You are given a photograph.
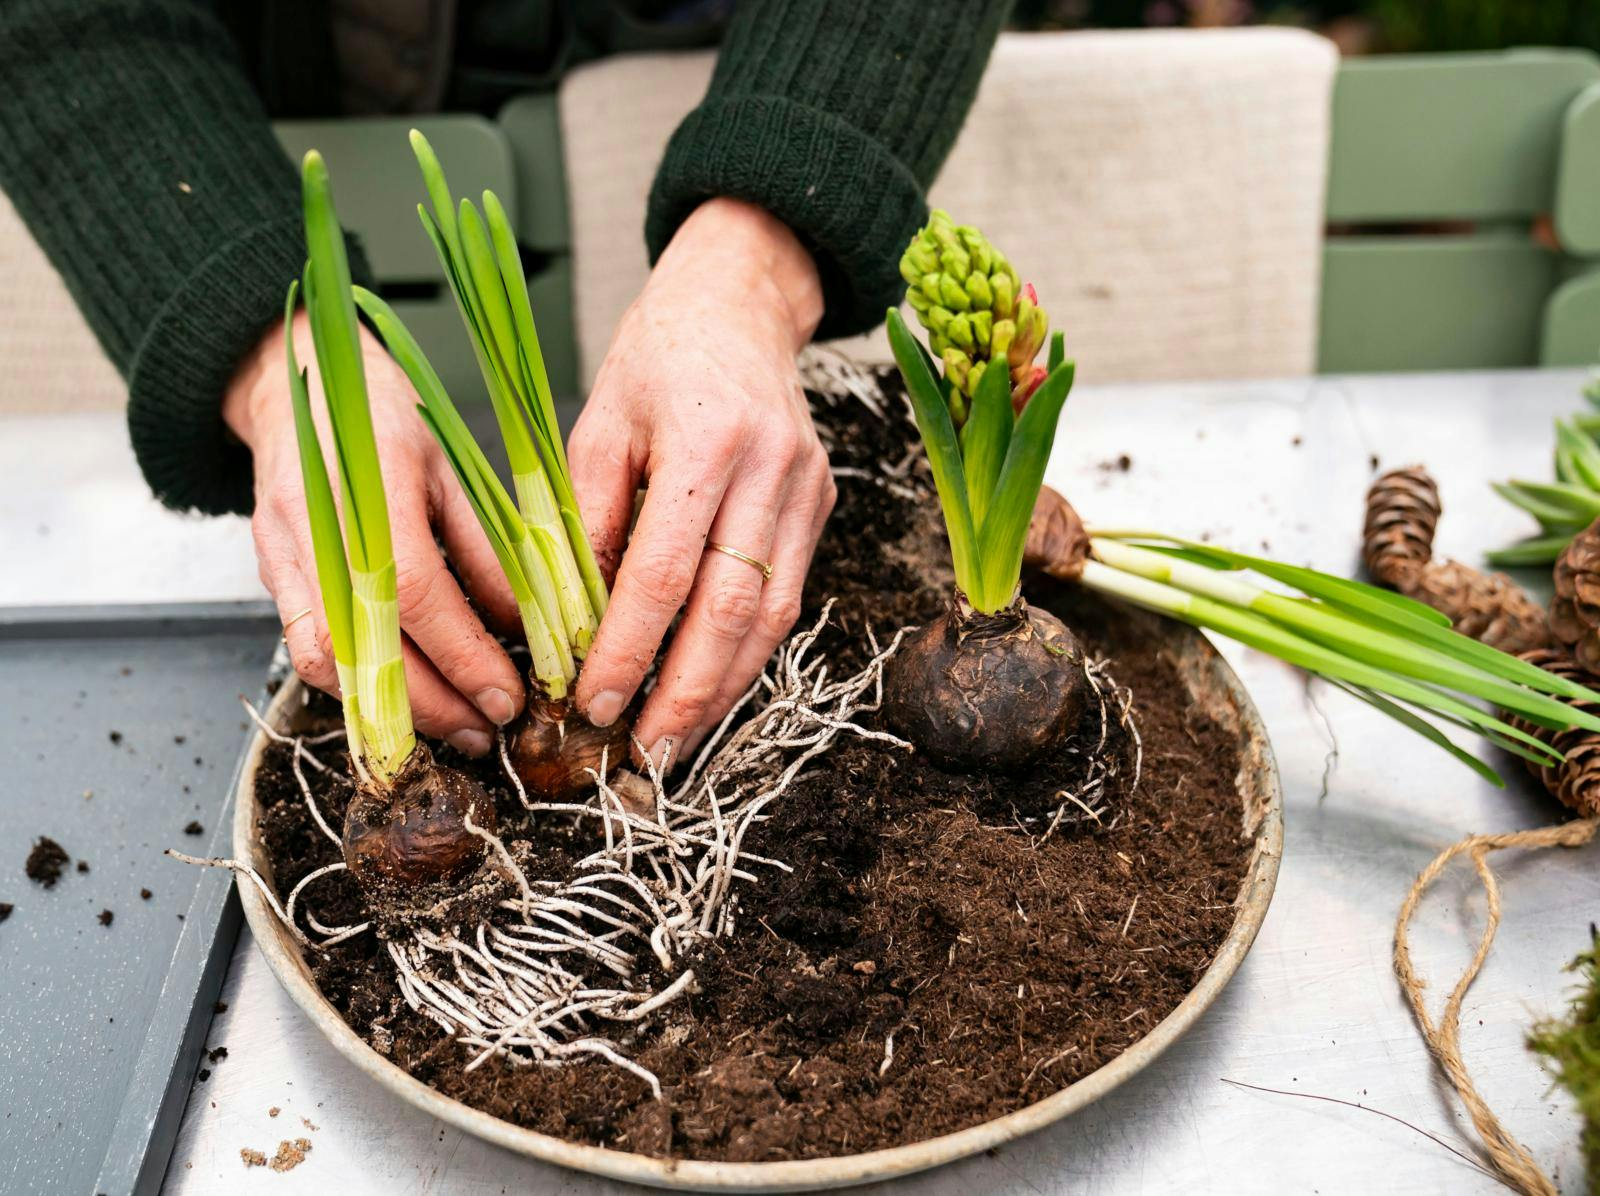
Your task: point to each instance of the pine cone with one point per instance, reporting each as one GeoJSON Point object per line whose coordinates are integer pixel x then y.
{"type": "Point", "coordinates": [1575, 782]}
{"type": "Point", "coordinates": [1489, 607]}
{"type": "Point", "coordinates": [1575, 608]}
{"type": "Point", "coordinates": [1402, 516]}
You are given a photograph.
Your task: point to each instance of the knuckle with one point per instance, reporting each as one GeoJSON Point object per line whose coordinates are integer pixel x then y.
{"type": "Point", "coordinates": [664, 574]}
{"type": "Point", "coordinates": [581, 446]}
{"type": "Point", "coordinates": [789, 449]}
{"type": "Point", "coordinates": [779, 613]}
{"type": "Point", "coordinates": [731, 607]}
{"type": "Point", "coordinates": [829, 497]}
{"type": "Point", "coordinates": [416, 580]}
{"type": "Point", "coordinates": [729, 434]}
{"type": "Point", "coordinates": [689, 700]}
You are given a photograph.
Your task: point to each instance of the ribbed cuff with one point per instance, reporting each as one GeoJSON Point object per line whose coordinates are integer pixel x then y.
{"type": "Point", "coordinates": [182, 368]}
{"type": "Point", "coordinates": [845, 195]}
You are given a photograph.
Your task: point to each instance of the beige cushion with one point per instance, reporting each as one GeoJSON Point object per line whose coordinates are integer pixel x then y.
{"type": "Point", "coordinates": [1162, 189]}
{"type": "Point", "coordinates": [52, 361]}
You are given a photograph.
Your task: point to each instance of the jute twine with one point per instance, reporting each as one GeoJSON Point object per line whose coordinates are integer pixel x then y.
{"type": "Point", "coordinates": [1509, 1158]}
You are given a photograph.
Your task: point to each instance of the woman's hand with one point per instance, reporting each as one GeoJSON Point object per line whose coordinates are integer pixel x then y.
{"type": "Point", "coordinates": [700, 397]}
{"type": "Point", "coordinates": [460, 680]}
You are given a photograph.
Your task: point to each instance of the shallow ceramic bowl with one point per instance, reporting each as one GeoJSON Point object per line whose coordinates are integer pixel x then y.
{"type": "Point", "coordinates": [1211, 683]}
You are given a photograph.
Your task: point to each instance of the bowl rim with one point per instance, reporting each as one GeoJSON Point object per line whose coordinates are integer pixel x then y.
{"type": "Point", "coordinates": [1258, 779]}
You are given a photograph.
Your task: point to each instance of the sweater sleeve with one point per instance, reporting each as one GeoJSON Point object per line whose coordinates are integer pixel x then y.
{"type": "Point", "coordinates": [136, 150]}
{"type": "Point", "coordinates": [834, 115]}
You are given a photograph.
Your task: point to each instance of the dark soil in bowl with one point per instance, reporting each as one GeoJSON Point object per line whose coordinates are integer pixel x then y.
{"type": "Point", "coordinates": [924, 908]}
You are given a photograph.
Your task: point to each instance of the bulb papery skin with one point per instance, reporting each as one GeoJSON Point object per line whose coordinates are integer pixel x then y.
{"type": "Point", "coordinates": [414, 831]}
{"type": "Point", "coordinates": [553, 749]}
{"type": "Point", "coordinates": [979, 692]}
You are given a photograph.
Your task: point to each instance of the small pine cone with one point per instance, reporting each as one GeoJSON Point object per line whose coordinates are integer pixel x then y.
{"type": "Point", "coordinates": [1402, 516]}
{"type": "Point", "coordinates": [1488, 607]}
{"type": "Point", "coordinates": [1397, 546]}
{"type": "Point", "coordinates": [1575, 608]}
{"type": "Point", "coordinates": [1575, 782]}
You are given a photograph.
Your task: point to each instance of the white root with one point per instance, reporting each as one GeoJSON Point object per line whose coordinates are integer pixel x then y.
{"type": "Point", "coordinates": [1104, 771]}
{"type": "Point", "coordinates": [537, 979]}
{"type": "Point", "coordinates": [523, 983]}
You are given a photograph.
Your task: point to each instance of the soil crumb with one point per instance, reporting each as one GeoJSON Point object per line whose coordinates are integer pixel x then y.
{"type": "Point", "coordinates": [217, 1055]}
{"type": "Point", "coordinates": [253, 1158]}
{"type": "Point", "coordinates": [194, 828]}
{"type": "Point", "coordinates": [5, 910]}
{"type": "Point", "coordinates": [145, 894]}
{"type": "Point", "coordinates": [106, 917]}
{"type": "Point", "coordinates": [274, 1111]}
{"type": "Point", "coordinates": [45, 862]}
{"type": "Point", "coordinates": [934, 958]}
{"type": "Point", "coordinates": [290, 1154]}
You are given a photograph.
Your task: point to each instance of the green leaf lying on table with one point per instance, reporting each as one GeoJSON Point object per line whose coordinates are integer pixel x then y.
{"type": "Point", "coordinates": [1395, 654]}
{"type": "Point", "coordinates": [988, 426]}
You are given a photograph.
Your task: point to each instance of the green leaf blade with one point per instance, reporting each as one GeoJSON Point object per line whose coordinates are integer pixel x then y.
{"type": "Point", "coordinates": [944, 453]}
{"type": "Point", "coordinates": [985, 438]}
{"type": "Point", "coordinates": [1005, 527]}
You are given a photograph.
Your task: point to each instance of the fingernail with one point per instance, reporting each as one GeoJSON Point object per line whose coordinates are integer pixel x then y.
{"type": "Point", "coordinates": [605, 707]}
{"type": "Point", "coordinates": [496, 705]}
{"type": "Point", "coordinates": [663, 753]}
{"type": "Point", "coordinates": [692, 742]}
{"type": "Point", "coordinates": [473, 743]}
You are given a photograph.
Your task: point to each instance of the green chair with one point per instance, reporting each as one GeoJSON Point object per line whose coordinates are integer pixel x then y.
{"type": "Point", "coordinates": [1439, 169]}
{"type": "Point", "coordinates": [377, 186]}
{"type": "Point", "coordinates": [1474, 149]}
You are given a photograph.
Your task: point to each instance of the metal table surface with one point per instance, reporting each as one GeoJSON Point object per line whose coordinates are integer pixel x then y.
{"type": "Point", "coordinates": [1315, 1009]}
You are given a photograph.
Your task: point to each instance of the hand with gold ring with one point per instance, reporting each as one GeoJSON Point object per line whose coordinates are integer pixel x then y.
{"type": "Point", "coordinates": [460, 680]}
{"type": "Point", "coordinates": [700, 399]}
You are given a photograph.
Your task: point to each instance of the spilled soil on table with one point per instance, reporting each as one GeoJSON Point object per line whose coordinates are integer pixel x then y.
{"type": "Point", "coordinates": [934, 959]}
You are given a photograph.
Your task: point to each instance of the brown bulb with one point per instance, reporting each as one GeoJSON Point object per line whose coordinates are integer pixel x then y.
{"type": "Point", "coordinates": [553, 748]}
{"type": "Point", "coordinates": [987, 693]}
{"type": "Point", "coordinates": [415, 833]}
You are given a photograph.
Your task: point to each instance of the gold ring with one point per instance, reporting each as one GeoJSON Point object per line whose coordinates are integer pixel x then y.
{"type": "Point", "coordinates": [766, 569]}
{"type": "Point", "coordinates": [292, 620]}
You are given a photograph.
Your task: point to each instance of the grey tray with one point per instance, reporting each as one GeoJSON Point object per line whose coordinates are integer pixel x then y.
{"type": "Point", "coordinates": [102, 1027]}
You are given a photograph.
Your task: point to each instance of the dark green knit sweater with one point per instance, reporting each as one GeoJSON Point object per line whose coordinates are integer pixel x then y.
{"type": "Point", "coordinates": [136, 147]}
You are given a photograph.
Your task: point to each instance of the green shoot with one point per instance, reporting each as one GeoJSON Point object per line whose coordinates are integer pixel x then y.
{"type": "Point", "coordinates": [989, 478]}
{"type": "Point", "coordinates": [985, 437]}
{"type": "Point", "coordinates": [1565, 507]}
{"type": "Point", "coordinates": [479, 255]}
{"type": "Point", "coordinates": [1005, 527]}
{"type": "Point", "coordinates": [357, 576]}
{"type": "Point", "coordinates": [525, 570]}
{"type": "Point", "coordinates": [1395, 654]}
{"type": "Point", "coordinates": [327, 541]}
{"type": "Point", "coordinates": [1355, 636]}
{"type": "Point", "coordinates": [944, 453]}
{"type": "Point", "coordinates": [1536, 550]}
